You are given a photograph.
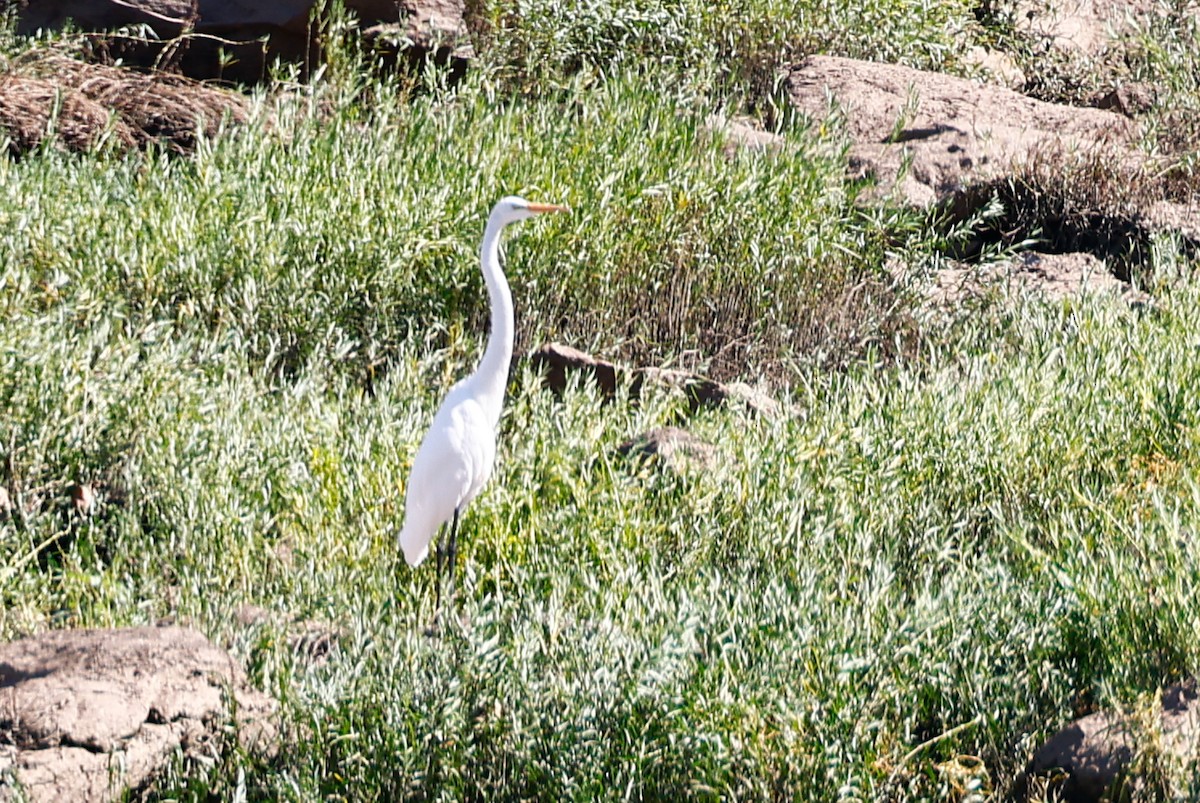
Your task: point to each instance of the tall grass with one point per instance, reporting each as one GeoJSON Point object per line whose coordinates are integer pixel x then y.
{"type": "Point", "coordinates": [892, 591]}
{"type": "Point", "coordinates": [343, 238]}
{"type": "Point", "coordinates": [736, 46]}
{"type": "Point", "coordinates": [912, 567]}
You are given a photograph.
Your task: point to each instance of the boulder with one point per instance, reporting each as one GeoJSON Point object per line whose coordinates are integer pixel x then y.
{"type": "Point", "coordinates": [1086, 27]}
{"type": "Point", "coordinates": [702, 392]}
{"type": "Point", "coordinates": [742, 134]}
{"type": "Point", "coordinates": [90, 714]}
{"type": "Point", "coordinates": [1069, 179]}
{"type": "Point", "coordinates": [558, 362]}
{"type": "Point", "coordinates": [676, 447]}
{"type": "Point", "coordinates": [950, 132]}
{"type": "Point", "coordinates": [1082, 762]}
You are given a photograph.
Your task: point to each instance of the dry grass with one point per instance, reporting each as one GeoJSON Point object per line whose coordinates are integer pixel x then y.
{"type": "Point", "coordinates": [1101, 202]}
{"type": "Point", "coordinates": [727, 337]}
{"type": "Point", "coordinates": [86, 105]}
{"type": "Point", "coordinates": [29, 106]}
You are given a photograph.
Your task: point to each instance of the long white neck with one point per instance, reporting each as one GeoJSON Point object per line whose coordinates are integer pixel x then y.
{"type": "Point", "coordinates": [491, 376]}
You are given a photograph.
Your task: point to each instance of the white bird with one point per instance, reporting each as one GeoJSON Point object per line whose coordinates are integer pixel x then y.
{"type": "Point", "coordinates": [459, 450]}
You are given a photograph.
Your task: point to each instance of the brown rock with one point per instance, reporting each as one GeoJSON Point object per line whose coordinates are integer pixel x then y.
{"type": "Point", "coordinates": [1055, 276]}
{"type": "Point", "coordinates": [1181, 720]}
{"type": "Point", "coordinates": [83, 498]}
{"type": "Point", "coordinates": [1085, 27]}
{"type": "Point", "coordinates": [950, 131]}
{"type": "Point", "coordinates": [560, 362]}
{"type": "Point", "coordinates": [755, 399]}
{"type": "Point", "coordinates": [165, 17]}
{"type": "Point", "coordinates": [88, 714]}
{"type": "Point", "coordinates": [1091, 751]}
{"type": "Point", "coordinates": [428, 26]}
{"type": "Point", "coordinates": [676, 447]}
{"type": "Point", "coordinates": [996, 66]}
{"type": "Point", "coordinates": [702, 392]}
{"type": "Point", "coordinates": [1179, 218]}
{"type": "Point", "coordinates": [1128, 99]}
{"type": "Point", "coordinates": [1065, 275]}
{"type": "Point", "coordinates": [1088, 756]}
{"type": "Point", "coordinates": [740, 133]}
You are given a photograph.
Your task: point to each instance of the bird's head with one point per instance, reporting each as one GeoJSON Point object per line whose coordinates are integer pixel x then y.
{"type": "Point", "coordinates": [513, 208]}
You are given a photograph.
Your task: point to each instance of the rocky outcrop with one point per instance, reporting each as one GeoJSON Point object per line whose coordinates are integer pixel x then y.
{"type": "Point", "coordinates": [674, 446]}
{"type": "Point", "coordinates": [1053, 276]}
{"type": "Point", "coordinates": [87, 714]}
{"type": "Point", "coordinates": [1086, 27]}
{"type": "Point", "coordinates": [923, 136]}
{"type": "Point", "coordinates": [702, 392]}
{"type": "Point", "coordinates": [558, 363]}
{"type": "Point", "coordinates": [1070, 182]}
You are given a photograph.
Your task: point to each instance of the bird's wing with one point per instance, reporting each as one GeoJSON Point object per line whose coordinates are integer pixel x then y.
{"type": "Point", "coordinates": [452, 465]}
{"type": "Point", "coordinates": [479, 446]}
{"type": "Point", "coordinates": [437, 484]}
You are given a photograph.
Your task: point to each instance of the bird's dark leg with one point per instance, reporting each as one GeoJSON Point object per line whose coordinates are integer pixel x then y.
{"type": "Point", "coordinates": [452, 554]}
{"type": "Point", "coordinates": [438, 548]}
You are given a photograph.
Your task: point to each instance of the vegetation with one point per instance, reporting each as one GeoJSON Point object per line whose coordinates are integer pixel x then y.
{"type": "Point", "coordinates": [965, 529]}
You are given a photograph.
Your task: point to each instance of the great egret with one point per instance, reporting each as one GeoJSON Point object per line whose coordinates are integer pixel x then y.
{"type": "Point", "coordinates": [459, 450]}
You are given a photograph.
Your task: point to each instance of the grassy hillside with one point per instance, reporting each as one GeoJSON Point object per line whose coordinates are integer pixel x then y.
{"type": "Point", "coordinates": [967, 527]}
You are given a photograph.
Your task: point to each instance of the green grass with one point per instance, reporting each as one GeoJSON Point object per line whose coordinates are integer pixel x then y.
{"type": "Point", "coordinates": [942, 551]}
{"type": "Point", "coordinates": [738, 45]}
{"type": "Point", "coordinates": [344, 238]}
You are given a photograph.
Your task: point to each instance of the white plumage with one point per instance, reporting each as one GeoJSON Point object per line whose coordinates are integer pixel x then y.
{"type": "Point", "coordinates": [452, 465]}
{"type": "Point", "coordinates": [459, 450]}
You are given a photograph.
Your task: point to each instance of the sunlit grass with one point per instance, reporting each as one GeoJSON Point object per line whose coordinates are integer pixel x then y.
{"type": "Point", "coordinates": [340, 239]}
{"type": "Point", "coordinates": [982, 542]}
{"type": "Point", "coordinates": [934, 553]}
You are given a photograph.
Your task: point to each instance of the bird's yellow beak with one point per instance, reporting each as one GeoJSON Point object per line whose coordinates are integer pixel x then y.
{"type": "Point", "coordinates": [542, 208]}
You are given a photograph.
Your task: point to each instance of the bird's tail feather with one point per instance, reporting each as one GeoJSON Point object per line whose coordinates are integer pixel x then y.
{"type": "Point", "coordinates": [414, 543]}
